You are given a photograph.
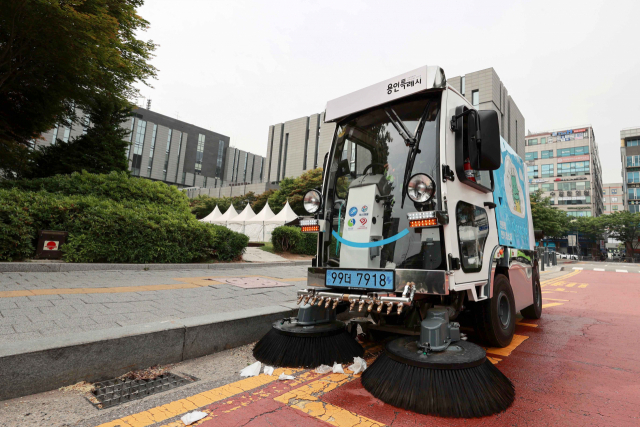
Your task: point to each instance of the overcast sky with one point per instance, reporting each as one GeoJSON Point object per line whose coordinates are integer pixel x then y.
{"type": "Point", "coordinates": [237, 67]}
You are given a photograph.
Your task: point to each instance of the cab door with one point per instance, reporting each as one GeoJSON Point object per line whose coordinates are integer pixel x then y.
{"type": "Point", "coordinates": [471, 234]}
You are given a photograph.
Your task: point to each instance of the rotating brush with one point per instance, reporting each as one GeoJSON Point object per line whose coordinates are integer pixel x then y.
{"type": "Point", "coordinates": [292, 345]}
{"type": "Point", "coordinates": [458, 382]}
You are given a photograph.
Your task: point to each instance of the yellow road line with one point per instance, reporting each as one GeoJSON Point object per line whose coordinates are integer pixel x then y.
{"type": "Point", "coordinates": [531, 325]}
{"type": "Point", "coordinates": [551, 304]}
{"type": "Point", "coordinates": [563, 277]}
{"type": "Point", "coordinates": [570, 285]}
{"type": "Point", "coordinates": [182, 406]}
{"type": "Point", "coordinates": [506, 351]}
{"type": "Point", "coordinates": [307, 400]}
{"type": "Point", "coordinates": [190, 283]}
{"type": "Point", "coordinates": [584, 285]}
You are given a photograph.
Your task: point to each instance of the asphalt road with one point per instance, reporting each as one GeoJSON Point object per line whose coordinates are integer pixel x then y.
{"type": "Point", "coordinates": [578, 365]}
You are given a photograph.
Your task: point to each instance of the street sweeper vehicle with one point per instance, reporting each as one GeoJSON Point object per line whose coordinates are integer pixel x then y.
{"type": "Point", "coordinates": [423, 223]}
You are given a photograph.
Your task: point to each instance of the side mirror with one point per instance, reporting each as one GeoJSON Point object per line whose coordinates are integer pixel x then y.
{"type": "Point", "coordinates": [488, 155]}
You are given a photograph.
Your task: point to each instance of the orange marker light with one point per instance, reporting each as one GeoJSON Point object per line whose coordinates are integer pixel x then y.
{"type": "Point", "coordinates": [423, 223]}
{"type": "Point", "coordinates": [310, 228]}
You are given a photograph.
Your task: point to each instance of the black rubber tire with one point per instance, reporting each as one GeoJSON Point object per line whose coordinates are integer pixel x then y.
{"type": "Point", "coordinates": [489, 325]}
{"type": "Point", "coordinates": [534, 311]}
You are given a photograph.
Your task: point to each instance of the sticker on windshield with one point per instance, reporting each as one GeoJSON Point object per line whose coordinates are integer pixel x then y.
{"type": "Point", "coordinates": [353, 211]}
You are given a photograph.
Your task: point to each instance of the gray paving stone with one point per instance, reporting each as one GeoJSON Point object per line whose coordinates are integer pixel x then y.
{"type": "Point", "coordinates": [44, 297]}
{"type": "Point", "coordinates": [21, 337]}
{"type": "Point", "coordinates": [4, 330]}
{"type": "Point", "coordinates": [10, 312]}
{"type": "Point", "coordinates": [35, 326]}
{"type": "Point", "coordinates": [28, 303]}
{"type": "Point", "coordinates": [7, 304]}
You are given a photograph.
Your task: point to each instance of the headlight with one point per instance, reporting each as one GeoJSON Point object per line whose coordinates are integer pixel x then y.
{"type": "Point", "coordinates": [421, 188]}
{"type": "Point", "coordinates": [312, 201]}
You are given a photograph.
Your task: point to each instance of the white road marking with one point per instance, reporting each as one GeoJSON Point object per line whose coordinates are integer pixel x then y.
{"type": "Point", "coordinates": [598, 269]}
{"type": "Point", "coordinates": [621, 271]}
{"type": "Point", "coordinates": [577, 268]}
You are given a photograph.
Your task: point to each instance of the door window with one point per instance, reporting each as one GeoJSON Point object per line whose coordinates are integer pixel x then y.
{"type": "Point", "coordinates": [473, 228]}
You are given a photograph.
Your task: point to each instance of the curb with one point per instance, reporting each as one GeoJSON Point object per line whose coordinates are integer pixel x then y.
{"type": "Point", "coordinates": [31, 367]}
{"type": "Point", "coordinates": [61, 267]}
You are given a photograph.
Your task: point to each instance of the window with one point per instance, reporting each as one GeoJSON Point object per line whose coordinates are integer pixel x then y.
{"type": "Point", "coordinates": [573, 168]}
{"type": "Point", "coordinates": [573, 151]}
{"type": "Point", "coordinates": [55, 134]}
{"type": "Point", "coordinates": [569, 186]}
{"type": "Point", "coordinates": [67, 132]}
{"type": "Point", "coordinates": [475, 98]}
{"type": "Point", "coordinates": [473, 228]}
{"type": "Point", "coordinates": [315, 161]}
{"type": "Point", "coordinates": [166, 155]}
{"type": "Point", "coordinates": [532, 171]}
{"type": "Point", "coordinates": [633, 143]}
{"type": "Point", "coordinates": [533, 141]}
{"type": "Point", "coordinates": [614, 191]}
{"type": "Point", "coordinates": [352, 161]}
{"type": "Point", "coordinates": [633, 177]}
{"type": "Point", "coordinates": [463, 83]}
{"type": "Point", "coordinates": [199, 153]}
{"type": "Point", "coordinates": [244, 173]}
{"type": "Point", "coordinates": [219, 160]}
{"type": "Point", "coordinates": [615, 207]}
{"type": "Point", "coordinates": [284, 160]}
{"type": "Point", "coordinates": [543, 140]}
{"type": "Point", "coordinates": [133, 123]}
{"type": "Point", "coordinates": [533, 188]}
{"type": "Point", "coordinates": [137, 147]}
{"type": "Point", "coordinates": [546, 154]}
{"type": "Point", "coordinates": [547, 171]}
{"type": "Point", "coordinates": [579, 213]}
{"type": "Point", "coordinates": [633, 161]}
{"type": "Point", "coordinates": [547, 187]}
{"type": "Point", "coordinates": [604, 200]}
{"type": "Point", "coordinates": [152, 149]}
{"type": "Point", "coordinates": [633, 193]}
{"type": "Point", "coordinates": [634, 208]}
{"type": "Point", "coordinates": [86, 122]}
{"type": "Point", "coordinates": [614, 200]}
{"type": "Point", "coordinates": [532, 155]}
{"type": "Point", "coordinates": [261, 165]}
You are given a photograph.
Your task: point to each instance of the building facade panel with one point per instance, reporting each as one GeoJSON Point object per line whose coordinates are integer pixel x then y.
{"type": "Point", "coordinates": [173, 174]}
{"type": "Point", "coordinates": [159, 152]}
{"type": "Point", "coordinates": [630, 158]}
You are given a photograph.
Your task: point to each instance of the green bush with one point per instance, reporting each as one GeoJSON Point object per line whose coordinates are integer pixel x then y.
{"type": "Point", "coordinates": [116, 186]}
{"type": "Point", "coordinates": [105, 230]}
{"type": "Point", "coordinates": [293, 240]}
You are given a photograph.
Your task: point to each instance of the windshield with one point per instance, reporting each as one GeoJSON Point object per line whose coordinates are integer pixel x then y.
{"type": "Point", "coordinates": [384, 142]}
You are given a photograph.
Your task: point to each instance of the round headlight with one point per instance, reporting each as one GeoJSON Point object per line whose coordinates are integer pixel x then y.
{"type": "Point", "coordinates": [312, 201]}
{"type": "Point", "coordinates": [421, 188]}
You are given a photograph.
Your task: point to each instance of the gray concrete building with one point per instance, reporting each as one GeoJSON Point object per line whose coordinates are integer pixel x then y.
{"type": "Point", "coordinates": [176, 152]}
{"type": "Point", "coordinates": [565, 165]}
{"type": "Point", "coordinates": [485, 91]}
{"type": "Point", "coordinates": [613, 197]}
{"type": "Point", "coordinates": [630, 157]}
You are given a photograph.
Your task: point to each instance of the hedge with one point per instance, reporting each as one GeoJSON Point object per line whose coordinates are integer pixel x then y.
{"type": "Point", "coordinates": [106, 230]}
{"type": "Point", "coordinates": [293, 240]}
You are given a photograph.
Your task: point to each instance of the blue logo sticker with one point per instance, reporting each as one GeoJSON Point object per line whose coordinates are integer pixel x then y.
{"type": "Point", "coordinates": [353, 211]}
{"type": "Point", "coordinates": [352, 222]}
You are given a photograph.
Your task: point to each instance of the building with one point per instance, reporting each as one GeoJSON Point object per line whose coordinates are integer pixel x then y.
{"type": "Point", "coordinates": [485, 91]}
{"type": "Point", "coordinates": [565, 165]}
{"type": "Point", "coordinates": [613, 197]}
{"type": "Point", "coordinates": [630, 156]}
{"type": "Point", "coordinates": [299, 145]}
{"type": "Point", "coordinates": [178, 153]}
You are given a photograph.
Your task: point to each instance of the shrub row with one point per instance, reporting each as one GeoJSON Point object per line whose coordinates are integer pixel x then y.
{"type": "Point", "coordinates": [105, 230]}
{"type": "Point", "coordinates": [293, 240]}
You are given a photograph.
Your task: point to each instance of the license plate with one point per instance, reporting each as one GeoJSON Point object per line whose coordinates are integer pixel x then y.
{"type": "Point", "coordinates": [369, 279]}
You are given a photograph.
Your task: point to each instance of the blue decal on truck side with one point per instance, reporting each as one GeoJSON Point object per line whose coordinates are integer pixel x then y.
{"type": "Point", "coordinates": [370, 244]}
{"type": "Point", "coordinates": [511, 197]}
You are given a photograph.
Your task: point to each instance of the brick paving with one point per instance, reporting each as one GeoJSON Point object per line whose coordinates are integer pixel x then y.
{"type": "Point", "coordinates": [34, 317]}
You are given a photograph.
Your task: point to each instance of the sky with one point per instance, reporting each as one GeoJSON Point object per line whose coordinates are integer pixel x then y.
{"type": "Point", "coordinates": [237, 67]}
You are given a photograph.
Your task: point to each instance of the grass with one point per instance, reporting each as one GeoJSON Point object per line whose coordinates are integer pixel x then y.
{"type": "Point", "coordinates": [268, 247]}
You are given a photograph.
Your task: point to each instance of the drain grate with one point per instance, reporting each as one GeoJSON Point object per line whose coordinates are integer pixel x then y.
{"type": "Point", "coordinates": [114, 392]}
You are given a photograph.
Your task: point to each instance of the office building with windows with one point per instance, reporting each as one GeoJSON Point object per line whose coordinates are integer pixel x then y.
{"type": "Point", "coordinates": [176, 152]}
{"type": "Point", "coordinates": [485, 91]}
{"type": "Point", "coordinates": [613, 197]}
{"type": "Point", "coordinates": [630, 156]}
{"type": "Point", "coordinates": [565, 165]}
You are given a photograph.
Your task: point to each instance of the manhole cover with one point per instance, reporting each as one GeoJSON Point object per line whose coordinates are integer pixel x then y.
{"type": "Point", "coordinates": [251, 282]}
{"type": "Point", "coordinates": [114, 392]}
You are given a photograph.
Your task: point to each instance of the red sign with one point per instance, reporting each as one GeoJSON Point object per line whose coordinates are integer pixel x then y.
{"type": "Point", "coordinates": [582, 158]}
{"type": "Point", "coordinates": [363, 221]}
{"type": "Point", "coordinates": [580, 130]}
{"type": "Point", "coordinates": [50, 245]}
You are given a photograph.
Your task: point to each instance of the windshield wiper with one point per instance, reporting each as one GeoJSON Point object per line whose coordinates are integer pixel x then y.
{"type": "Point", "coordinates": [410, 140]}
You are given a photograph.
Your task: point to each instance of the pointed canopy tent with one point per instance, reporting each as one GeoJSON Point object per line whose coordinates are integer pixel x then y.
{"type": "Point", "coordinates": [228, 215]}
{"type": "Point", "coordinates": [284, 216]}
{"type": "Point", "coordinates": [255, 227]}
{"type": "Point", "coordinates": [215, 214]}
{"type": "Point", "coordinates": [238, 222]}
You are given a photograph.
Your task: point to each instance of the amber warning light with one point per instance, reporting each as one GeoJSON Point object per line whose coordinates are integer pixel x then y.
{"type": "Point", "coordinates": [422, 219]}
{"type": "Point", "coordinates": [310, 226]}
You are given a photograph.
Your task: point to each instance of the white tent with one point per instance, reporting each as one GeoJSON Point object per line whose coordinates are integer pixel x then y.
{"type": "Point", "coordinates": [227, 216]}
{"type": "Point", "coordinates": [215, 214]}
{"type": "Point", "coordinates": [238, 222]}
{"type": "Point", "coordinates": [284, 216]}
{"type": "Point", "coordinates": [256, 229]}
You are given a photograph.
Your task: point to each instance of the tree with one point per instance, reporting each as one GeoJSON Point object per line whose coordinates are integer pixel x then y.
{"type": "Point", "coordinates": [294, 189]}
{"type": "Point", "coordinates": [553, 222]}
{"type": "Point", "coordinates": [56, 56]}
{"type": "Point", "coordinates": [100, 150]}
{"type": "Point", "coordinates": [592, 228]}
{"type": "Point", "coordinates": [623, 226]}
{"type": "Point", "coordinates": [261, 200]}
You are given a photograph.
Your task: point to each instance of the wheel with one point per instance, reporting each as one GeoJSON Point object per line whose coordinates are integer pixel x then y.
{"type": "Point", "coordinates": [534, 311]}
{"type": "Point", "coordinates": [496, 317]}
